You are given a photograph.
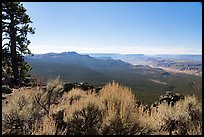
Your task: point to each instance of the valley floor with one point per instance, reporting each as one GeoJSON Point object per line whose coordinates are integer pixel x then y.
{"type": "Point", "coordinates": [182, 71]}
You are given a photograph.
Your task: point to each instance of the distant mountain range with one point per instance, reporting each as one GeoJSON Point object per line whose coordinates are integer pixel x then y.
{"type": "Point", "coordinates": [190, 64]}
{"type": "Point", "coordinates": [197, 58]}
{"type": "Point", "coordinates": [83, 60]}
{"type": "Point", "coordinates": [101, 69]}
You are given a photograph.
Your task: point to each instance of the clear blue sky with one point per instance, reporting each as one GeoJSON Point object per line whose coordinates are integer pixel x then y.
{"type": "Point", "coordinates": [116, 27]}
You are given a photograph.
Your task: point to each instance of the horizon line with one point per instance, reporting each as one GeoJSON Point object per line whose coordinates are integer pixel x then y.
{"type": "Point", "coordinates": [115, 53]}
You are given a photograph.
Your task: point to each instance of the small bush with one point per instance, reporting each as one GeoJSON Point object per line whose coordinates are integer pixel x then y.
{"type": "Point", "coordinates": [54, 88]}
{"type": "Point", "coordinates": [20, 112]}
{"type": "Point", "coordinates": [50, 96]}
{"type": "Point", "coordinates": [181, 119]}
{"type": "Point", "coordinates": [86, 121]}
{"type": "Point", "coordinates": [82, 112]}
{"type": "Point", "coordinates": [121, 117]}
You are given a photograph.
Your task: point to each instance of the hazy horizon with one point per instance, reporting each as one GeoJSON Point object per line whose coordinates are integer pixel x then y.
{"type": "Point", "coordinates": [114, 53]}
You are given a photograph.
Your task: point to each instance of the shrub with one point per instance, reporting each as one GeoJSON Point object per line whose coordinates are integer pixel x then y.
{"type": "Point", "coordinates": [66, 101]}
{"type": "Point", "coordinates": [86, 121]}
{"type": "Point", "coordinates": [120, 115]}
{"type": "Point", "coordinates": [54, 88]}
{"type": "Point", "coordinates": [182, 118]}
{"type": "Point", "coordinates": [82, 112]}
{"type": "Point", "coordinates": [20, 112]}
{"type": "Point", "coordinates": [50, 96]}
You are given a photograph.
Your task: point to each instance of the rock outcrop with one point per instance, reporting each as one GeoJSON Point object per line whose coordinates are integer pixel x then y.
{"type": "Point", "coordinates": [170, 98]}
{"type": "Point", "coordinates": [83, 86]}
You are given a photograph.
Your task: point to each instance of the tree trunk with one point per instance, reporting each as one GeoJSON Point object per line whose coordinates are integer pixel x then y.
{"type": "Point", "coordinates": [13, 50]}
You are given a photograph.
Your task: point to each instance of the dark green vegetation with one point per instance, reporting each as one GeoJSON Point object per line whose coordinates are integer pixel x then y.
{"type": "Point", "coordinates": [15, 27]}
{"type": "Point", "coordinates": [73, 67]}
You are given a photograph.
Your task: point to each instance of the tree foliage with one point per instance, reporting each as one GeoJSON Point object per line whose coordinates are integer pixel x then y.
{"type": "Point", "coordinates": [15, 27]}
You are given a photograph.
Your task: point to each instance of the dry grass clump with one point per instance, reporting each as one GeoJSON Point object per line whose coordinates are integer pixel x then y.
{"type": "Point", "coordinates": [54, 85]}
{"type": "Point", "coordinates": [118, 99]}
{"type": "Point", "coordinates": [45, 127]}
{"type": "Point", "coordinates": [152, 120]}
{"type": "Point", "coordinates": [81, 113]}
{"type": "Point", "coordinates": [81, 102]}
{"type": "Point", "coordinates": [120, 116]}
{"type": "Point", "coordinates": [50, 95]}
{"type": "Point", "coordinates": [85, 121]}
{"type": "Point", "coordinates": [27, 105]}
{"type": "Point", "coordinates": [54, 88]}
{"type": "Point", "coordinates": [67, 100]}
{"type": "Point", "coordinates": [38, 111]}
{"type": "Point", "coordinates": [19, 103]}
{"type": "Point", "coordinates": [181, 119]}
{"type": "Point", "coordinates": [20, 112]}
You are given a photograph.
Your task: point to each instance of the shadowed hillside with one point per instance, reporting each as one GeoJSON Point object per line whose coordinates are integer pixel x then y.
{"type": "Point", "coordinates": [73, 67]}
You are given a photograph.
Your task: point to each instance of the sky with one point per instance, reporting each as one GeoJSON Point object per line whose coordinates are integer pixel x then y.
{"type": "Point", "coordinates": [116, 27]}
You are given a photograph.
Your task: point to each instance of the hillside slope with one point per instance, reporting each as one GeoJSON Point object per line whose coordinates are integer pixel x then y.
{"type": "Point", "coordinates": [74, 67]}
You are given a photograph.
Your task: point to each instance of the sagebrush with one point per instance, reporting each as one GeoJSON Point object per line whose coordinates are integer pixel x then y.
{"type": "Point", "coordinates": [112, 111]}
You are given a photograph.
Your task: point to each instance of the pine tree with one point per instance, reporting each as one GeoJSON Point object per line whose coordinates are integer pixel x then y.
{"type": "Point", "coordinates": [15, 27]}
